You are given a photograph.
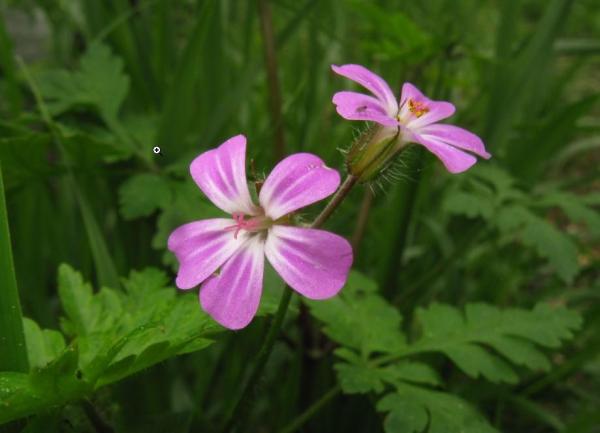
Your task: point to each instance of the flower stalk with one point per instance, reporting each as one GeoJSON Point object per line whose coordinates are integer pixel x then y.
{"type": "Point", "coordinates": [240, 412]}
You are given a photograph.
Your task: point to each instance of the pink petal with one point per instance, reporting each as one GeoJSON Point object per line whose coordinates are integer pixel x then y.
{"type": "Point", "coordinates": [457, 137]}
{"type": "Point", "coordinates": [232, 297]}
{"type": "Point", "coordinates": [410, 91]}
{"type": "Point", "coordinates": [356, 106]}
{"type": "Point", "coordinates": [437, 110]}
{"type": "Point", "coordinates": [371, 82]}
{"type": "Point", "coordinates": [297, 181]}
{"type": "Point", "coordinates": [455, 160]}
{"type": "Point", "coordinates": [313, 262]}
{"type": "Point", "coordinates": [201, 247]}
{"type": "Point", "coordinates": [221, 175]}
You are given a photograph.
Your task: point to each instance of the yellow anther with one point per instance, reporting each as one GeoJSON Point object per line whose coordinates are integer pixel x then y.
{"type": "Point", "coordinates": [417, 108]}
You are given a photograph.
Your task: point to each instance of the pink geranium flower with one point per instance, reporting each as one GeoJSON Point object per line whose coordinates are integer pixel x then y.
{"type": "Point", "coordinates": [313, 262]}
{"type": "Point", "coordinates": [415, 117]}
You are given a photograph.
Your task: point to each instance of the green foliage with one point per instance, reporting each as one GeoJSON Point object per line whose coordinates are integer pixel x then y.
{"type": "Point", "coordinates": [112, 335]}
{"type": "Point", "coordinates": [43, 346]}
{"type": "Point", "coordinates": [492, 195]}
{"type": "Point", "coordinates": [374, 352]}
{"type": "Point", "coordinates": [99, 82]}
{"type": "Point", "coordinates": [512, 333]}
{"type": "Point", "coordinates": [399, 36]}
{"type": "Point", "coordinates": [345, 317]}
{"type": "Point", "coordinates": [143, 194]}
{"type": "Point", "coordinates": [413, 409]}
{"type": "Point", "coordinates": [474, 268]}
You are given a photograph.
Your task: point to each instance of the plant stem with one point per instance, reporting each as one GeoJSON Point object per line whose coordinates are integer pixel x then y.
{"type": "Point", "coordinates": [243, 404]}
{"type": "Point", "coordinates": [312, 410]}
{"type": "Point", "coordinates": [339, 196]}
{"type": "Point", "coordinates": [13, 352]}
{"type": "Point", "coordinates": [266, 30]}
{"type": "Point", "coordinates": [363, 218]}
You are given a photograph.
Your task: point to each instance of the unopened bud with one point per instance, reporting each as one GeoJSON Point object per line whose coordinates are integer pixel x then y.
{"type": "Point", "coordinates": [373, 151]}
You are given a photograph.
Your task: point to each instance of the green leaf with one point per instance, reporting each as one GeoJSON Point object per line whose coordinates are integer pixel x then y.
{"type": "Point", "coordinates": [116, 334]}
{"type": "Point", "coordinates": [361, 319]}
{"type": "Point", "coordinates": [575, 207]}
{"type": "Point", "coordinates": [513, 333]}
{"type": "Point", "coordinates": [99, 82]}
{"type": "Point", "coordinates": [56, 384]}
{"type": "Point", "coordinates": [42, 346]}
{"type": "Point", "coordinates": [544, 237]}
{"type": "Point", "coordinates": [468, 204]}
{"type": "Point", "coordinates": [142, 194]}
{"type": "Point", "coordinates": [409, 371]}
{"type": "Point", "coordinates": [77, 301]}
{"type": "Point", "coordinates": [414, 410]}
{"type": "Point", "coordinates": [358, 379]}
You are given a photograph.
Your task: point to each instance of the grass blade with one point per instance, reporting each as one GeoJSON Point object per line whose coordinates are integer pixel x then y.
{"type": "Point", "coordinates": [13, 353]}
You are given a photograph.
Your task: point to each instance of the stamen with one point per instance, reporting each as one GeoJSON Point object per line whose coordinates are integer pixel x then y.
{"type": "Point", "coordinates": [253, 224]}
{"type": "Point", "coordinates": [418, 108]}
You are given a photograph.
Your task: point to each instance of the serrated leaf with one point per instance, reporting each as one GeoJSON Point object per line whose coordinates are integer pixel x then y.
{"type": "Point", "coordinates": [99, 82]}
{"type": "Point", "coordinates": [358, 379]}
{"type": "Point", "coordinates": [142, 194]}
{"type": "Point", "coordinates": [475, 361]}
{"type": "Point", "coordinates": [116, 334]}
{"type": "Point", "coordinates": [545, 238]}
{"type": "Point", "coordinates": [468, 204]}
{"type": "Point", "coordinates": [42, 346]}
{"type": "Point", "coordinates": [408, 371]}
{"type": "Point", "coordinates": [514, 333]}
{"type": "Point", "coordinates": [414, 410]}
{"type": "Point", "coordinates": [361, 319]}
{"type": "Point", "coordinates": [77, 300]}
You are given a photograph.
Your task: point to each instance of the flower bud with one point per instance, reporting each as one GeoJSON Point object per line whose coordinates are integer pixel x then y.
{"type": "Point", "coordinates": [373, 151]}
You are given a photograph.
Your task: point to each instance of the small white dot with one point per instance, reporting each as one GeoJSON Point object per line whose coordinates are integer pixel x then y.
{"type": "Point", "coordinates": [156, 149]}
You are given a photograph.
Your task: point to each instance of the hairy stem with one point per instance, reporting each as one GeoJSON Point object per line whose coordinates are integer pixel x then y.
{"type": "Point", "coordinates": [312, 410]}
{"type": "Point", "coordinates": [243, 404]}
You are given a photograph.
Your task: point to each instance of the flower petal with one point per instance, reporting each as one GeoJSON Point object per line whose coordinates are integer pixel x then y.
{"type": "Point", "coordinates": [457, 137]}
{"type": "Point", "coordinates": [436, 110]}
{"type": "Point", "coordinates": [297, 181]}
{"type": "Point", "coordinates": [455, 160]}
{"type": "Point", "coordinates": [221, 175]}
{"type": "Point", "coordinates": [410, 91]}
{"type": "Point", "coordinates": [356, 106]}
{"type": "Point", "coordinates": [201, 247]}
{"type": "Point", "coordinates": [313, 262]}
{"type": "Point", "coordinates": [371, 82]}
{"type": "Point", "coordinates": [232, 297]}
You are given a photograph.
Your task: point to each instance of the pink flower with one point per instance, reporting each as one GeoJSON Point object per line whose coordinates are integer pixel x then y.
{"type": "Point", "coordinates": [415, 117]}
{"type": "Point", "coordinates": [313, 262]}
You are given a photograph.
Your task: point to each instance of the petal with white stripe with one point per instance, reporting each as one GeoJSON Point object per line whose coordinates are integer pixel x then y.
{"type": "Point", "coordinates": [221, 175]}
{"type": "Point", "coordinates": [233, 296]}
{"type": "Point", "coordinates": [201, 247]}
{"type": "Point", "coordinates": [297, 181]}
{"type": "Point", "coordinates": [313, 262]}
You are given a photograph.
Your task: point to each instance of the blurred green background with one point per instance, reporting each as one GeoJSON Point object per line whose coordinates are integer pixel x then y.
{"type": "Point", "coordinates": [89, 87]}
